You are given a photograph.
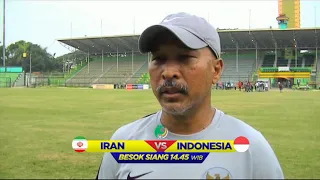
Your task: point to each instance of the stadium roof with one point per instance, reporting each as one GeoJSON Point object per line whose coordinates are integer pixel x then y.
{"type": "Point", "coordinates": [266, 39]}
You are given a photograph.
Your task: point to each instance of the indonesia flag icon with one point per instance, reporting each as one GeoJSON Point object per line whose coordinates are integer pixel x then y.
{"type": "Point", "coordinates": [241, 144]}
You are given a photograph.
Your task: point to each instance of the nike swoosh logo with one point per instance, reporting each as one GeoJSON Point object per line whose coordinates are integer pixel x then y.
{"type": "Point", "coordinates": [167, 20]}
{"type": "Point", "coordinates": [136, 177]}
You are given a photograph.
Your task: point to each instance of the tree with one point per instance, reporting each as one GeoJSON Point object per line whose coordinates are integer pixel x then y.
{"type": "Point", "coordinates": [15, 52]}
{"type": "Point", "coordinates": [41, 60]}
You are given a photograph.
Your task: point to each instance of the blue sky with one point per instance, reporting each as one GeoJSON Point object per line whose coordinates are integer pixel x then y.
{"type": "Point", "coordinates": [45, 21]}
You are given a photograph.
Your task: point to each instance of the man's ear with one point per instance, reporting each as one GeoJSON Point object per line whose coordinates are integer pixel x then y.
{"type": "Point", "coordinates": [218, 66]}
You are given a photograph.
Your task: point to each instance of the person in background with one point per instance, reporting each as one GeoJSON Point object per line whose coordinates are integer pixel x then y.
{"type": "Point", "coordinates": [266, 86]}
{"type": "Point", "coordinates": [239, 85]}
{"type": "Point", "coordinates": [280, 86]}
{"type": "Point", "coordinates": [256, 86]}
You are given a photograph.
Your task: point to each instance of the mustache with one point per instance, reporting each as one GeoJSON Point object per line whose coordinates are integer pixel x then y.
{"type": "Point", "coordinates": [172, 84]}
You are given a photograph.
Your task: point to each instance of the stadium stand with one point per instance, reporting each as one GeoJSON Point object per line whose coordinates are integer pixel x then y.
{"type": "Point", "coordinates": [126, 73]}
{"type": "Point", "coordinates": [234, 73]}
{"type": "Point", "coordinates": [107, 71]}
{"type": "Point", "coordinates": [268, 60]}
{"type": "Point", "coordinates": [245, 52]}
{"type": "Point", "coordinates": [89, 73]}
{"type": "Point", "coordinates": [281, 62]}
{"type": "Point", "coordinates": [144, 79]}
{"type": "Point", "coordinates": [293, 62]}
{"type": "Point", "coordinates": [309, 60]}
{"type": "Point", "coordinates": [127, 69]}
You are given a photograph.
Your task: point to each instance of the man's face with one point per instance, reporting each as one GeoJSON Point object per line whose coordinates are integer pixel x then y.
{"type": "Point", "coordinates": [181, 78]}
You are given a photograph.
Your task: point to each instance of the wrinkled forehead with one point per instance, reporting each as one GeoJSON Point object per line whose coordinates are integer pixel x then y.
{"type": "Point", "coordinates": [165, 37]}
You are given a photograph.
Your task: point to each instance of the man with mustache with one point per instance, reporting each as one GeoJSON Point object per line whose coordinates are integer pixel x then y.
{"type": "Point", "coordinates": [185, 63]}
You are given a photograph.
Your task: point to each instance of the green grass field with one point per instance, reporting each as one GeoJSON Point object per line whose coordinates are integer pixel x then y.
{"type": "Point", "coordinates": [38, 125]}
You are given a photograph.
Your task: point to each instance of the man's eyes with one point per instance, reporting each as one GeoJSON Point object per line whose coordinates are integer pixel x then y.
{"type": "Point", "coordinates": [185, 57]}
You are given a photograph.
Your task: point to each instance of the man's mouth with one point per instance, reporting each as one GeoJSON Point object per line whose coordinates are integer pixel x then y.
{"type": "Point", "coordinates": [171, 91]}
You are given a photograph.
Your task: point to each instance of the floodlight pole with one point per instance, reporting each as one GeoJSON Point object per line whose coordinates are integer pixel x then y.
{"type": "Point", "coordinates": [256, 55]}
{"type": "Point", "coordinates": [237, 57]}
{"type": "Point", "coordinates": [296, 54]}
{"type": "Point", "coordinates": [275, 55]}
{"type": "Point", "coordinates": [88, 61]}
{"type": "Point", "coordinates": [102, 60]}
{"type": "Point", "coordinates": [315, 16]}
{"type": "Point", "coordinates": [132, 62]}
{"type": "Point", "coordinates": [316, 56]}
{"type": "Point", "coordinates": [134, 25]}
{"type": "Point", "coordinates": [30, 67]}
{"type": "Point", "coordinates": [249, 20]}
{"type": "Point", "coordinates": [101, 27]}
{"type": "Point", "coordinates": [117, 58]}
{"type": "Point", "coordinates": [4, 35]}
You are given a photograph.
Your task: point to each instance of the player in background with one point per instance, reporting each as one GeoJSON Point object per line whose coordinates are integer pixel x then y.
{"type": "Point", "coordinates": [185, 63]}
{"type": "Point", "coordinates": [240, 84]}
{"type": "Point", "coordinates": [280, 86]}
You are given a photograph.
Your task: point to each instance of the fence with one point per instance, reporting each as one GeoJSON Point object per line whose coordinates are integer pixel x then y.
{"type": "Point", "coordinates": [5, 82]}
{"type": "Point", "coordinates": [87, 81]}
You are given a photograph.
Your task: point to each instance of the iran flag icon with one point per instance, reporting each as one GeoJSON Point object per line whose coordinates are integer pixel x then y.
{"type": "Point", "coordinates": [80, 144]}
{"type": "Point", "coordinates": [241, 144]}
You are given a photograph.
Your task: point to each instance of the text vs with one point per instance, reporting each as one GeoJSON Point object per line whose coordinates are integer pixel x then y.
{"type": "Point", "coordinates": [160, 145]}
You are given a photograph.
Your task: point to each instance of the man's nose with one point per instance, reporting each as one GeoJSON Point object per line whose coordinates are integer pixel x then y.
{"type": "Point", "coordinates": [171, 70]}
